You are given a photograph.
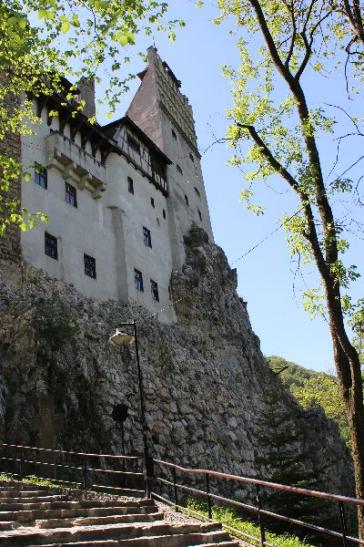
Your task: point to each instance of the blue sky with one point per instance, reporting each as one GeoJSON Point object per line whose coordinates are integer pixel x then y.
{"type": "Point", "coordinates": [266, 275]}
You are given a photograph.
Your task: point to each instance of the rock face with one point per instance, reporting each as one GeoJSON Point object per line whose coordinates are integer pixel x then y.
{"type": "Point", "coordinates": [205, 379]}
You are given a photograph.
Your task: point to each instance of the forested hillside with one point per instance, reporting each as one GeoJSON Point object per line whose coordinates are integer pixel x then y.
{"type": "Point", "coordinates": [312, 388]}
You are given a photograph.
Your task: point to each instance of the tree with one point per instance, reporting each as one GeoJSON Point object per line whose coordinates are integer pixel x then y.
{"type": "Point", "coordinates": [42, 41]}
{"type": "Point", "coordinates": [311, 388]}
{"type": "Point", "coordinates": [280, 43]}
{"type": "Point", "coordinates": [280, 459]}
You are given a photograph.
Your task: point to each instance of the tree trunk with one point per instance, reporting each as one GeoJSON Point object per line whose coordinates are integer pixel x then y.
{"type": "Point", "coordinates": [351, 385]}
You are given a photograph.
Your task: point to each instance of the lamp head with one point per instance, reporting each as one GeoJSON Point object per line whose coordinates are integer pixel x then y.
{"type": "Point", "coordinates": [120, 338]}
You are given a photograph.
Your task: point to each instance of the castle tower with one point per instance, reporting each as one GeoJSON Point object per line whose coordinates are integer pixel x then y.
{"type": "Point", "coordinates": [165, 115]}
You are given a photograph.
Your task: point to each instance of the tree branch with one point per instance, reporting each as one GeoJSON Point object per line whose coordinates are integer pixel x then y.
{"type": "Point", "coordinates": [277, 166]}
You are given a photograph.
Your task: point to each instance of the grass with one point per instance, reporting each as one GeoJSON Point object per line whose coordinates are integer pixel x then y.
{"type": "Point", "coordinates": [228, 517]}
{"type": "Point", "coordinates": [31, 479]}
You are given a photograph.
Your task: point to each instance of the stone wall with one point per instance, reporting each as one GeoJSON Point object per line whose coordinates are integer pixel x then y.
{"type": "Point", "coordinates": [206, 381]}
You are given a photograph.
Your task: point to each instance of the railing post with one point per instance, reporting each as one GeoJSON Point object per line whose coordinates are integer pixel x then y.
{"type": "Point", "coordinates": [344, 530]}
{"type": "Point", "coordinates": [260, 517]}
{"type": "Point", "coordinates": [148, 474]}
{"type": "Point", "coordinates": [209, 506]}
{"type": "Point", "coordinates": [55, 462]}
{"type": "Point", "coordinates": [175, 486]}
{"type": "Point", "coordinates": [21, 464]}
{"type": "Point", "coordinates": [85, 474]}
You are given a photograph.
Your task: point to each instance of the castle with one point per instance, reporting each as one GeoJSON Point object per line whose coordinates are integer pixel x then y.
{"type": "Point", "coordinates": [120, 197]}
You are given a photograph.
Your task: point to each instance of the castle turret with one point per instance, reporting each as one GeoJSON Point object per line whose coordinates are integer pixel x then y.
{"type": "Point", "coordinates": [165, 115]}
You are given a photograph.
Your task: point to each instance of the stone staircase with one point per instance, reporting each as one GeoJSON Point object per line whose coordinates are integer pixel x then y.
{"type": "Point", "coordinates": [35, 515]}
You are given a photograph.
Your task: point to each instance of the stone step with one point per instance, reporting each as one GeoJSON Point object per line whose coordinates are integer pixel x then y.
{"type": "Point", "coordinates": [119, 491]}
{"type": "Point", "coordinates": [69, 504]}
{"type": "Point", "coordinates": [9, 525]}
{"type": "Point", "coordinates": [35, 499]}
{"type": "Point", "coordinates": [21, 493]}
{"type": "Point", "coordinates": [21, 485]}
{"type": "Point", "coordinates": [59, 536]}
{"type": "Point", "coordinates": [97, 521]}
{"type": "Point", "coordinates": [228, 543]}
{"type": "Point", "coordinates": [177, 540]}
{"type": "Point", "coordinates": [31, 515]}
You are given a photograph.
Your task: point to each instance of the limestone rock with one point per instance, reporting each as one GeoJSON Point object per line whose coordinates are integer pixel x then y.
{"type": "Point", "coordinates": [205, 377]}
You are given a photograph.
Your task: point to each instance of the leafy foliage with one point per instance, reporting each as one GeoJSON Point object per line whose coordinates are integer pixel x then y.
{"type": "Point", "coordinates": [55, 323]}
{"type": "Point", "coordinates": [323, 390]}
{"type": "Point", "coordinates": [273, 129]}
{"type": "Point", "coordinates": [311, 388]}
{"type": "Point", "coordinates": [290, 373]}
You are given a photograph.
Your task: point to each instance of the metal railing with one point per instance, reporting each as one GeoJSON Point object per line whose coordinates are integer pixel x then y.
{"type": "Point", "coordinates": [127, 475]}
{"type": "Point", "coordinates": [107, 472]}
{"type": "Point", "coordinates": [256, 509]}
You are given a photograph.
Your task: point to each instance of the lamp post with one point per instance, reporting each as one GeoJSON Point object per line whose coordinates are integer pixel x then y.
{"type": "Point", "coordinates": [122, 339]}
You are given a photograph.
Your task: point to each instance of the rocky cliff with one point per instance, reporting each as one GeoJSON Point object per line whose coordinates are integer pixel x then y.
{"type": "Point", "coordinates": [206, 381]}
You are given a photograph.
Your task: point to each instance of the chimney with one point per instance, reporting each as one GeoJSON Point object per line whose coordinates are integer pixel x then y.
{"type": "Point", "coordinates": [87, 92]}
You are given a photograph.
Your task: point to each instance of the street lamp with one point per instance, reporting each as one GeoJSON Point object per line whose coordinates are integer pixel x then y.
{"type": "Point", "coordinates": [122, 339]}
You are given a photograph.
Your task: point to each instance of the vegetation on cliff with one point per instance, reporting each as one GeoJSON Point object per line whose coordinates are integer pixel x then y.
{"type": "Point", "coordinates": [311, 388]}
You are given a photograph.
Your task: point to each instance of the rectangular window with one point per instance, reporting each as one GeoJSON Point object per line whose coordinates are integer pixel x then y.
{"type": "Point", "coordinates": [187, 200]}
{"type": "Point", "coordinates": [154, 290]}
{"type": "Point", "coordinates": [164, 213]}
{"type": "Point", "coordinates": [152, 202]}
{"type": "Point", "coordinates": [90, 266]}
{"type": "Point", "coordinates": [133, 143]}
{"type": "Point", "coordinates": [199, 214]}
{"type": "Point", "coordinates": [50, 246]}
{"type": "Point", "coordinates": [147, 237]}
{"type": "Point", "coordinates": [40, 175]}
{"type": "Point", "coordinates": [130, 185]}
{"type": "Point", "coordinates": [71, 195]}
{"type": "Point", "coordinates": [179, 169]}
{"type": "Point", "coordinates": [138, 280]}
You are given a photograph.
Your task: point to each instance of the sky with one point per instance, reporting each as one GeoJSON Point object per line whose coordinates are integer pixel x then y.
{"type": "Point", "coordinates": [266, 275]}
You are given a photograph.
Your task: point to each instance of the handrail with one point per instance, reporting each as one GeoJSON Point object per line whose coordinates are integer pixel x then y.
{"type": "Point", "coordinates": [266, 484]}
{"type": "Point", "coordinates": [258, 509]}
{"type": "Point", "coordinates": [82, 454]}
{"type": "Point", "coordinates": [26, 458]}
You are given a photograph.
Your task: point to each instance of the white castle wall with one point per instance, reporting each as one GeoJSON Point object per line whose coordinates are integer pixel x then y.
{"type": "Point", "coordinates": [108, 221]}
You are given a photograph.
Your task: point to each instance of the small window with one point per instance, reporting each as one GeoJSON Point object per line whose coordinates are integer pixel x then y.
{"type": "Point", "coordinates": [199, 214]}
{"type": "Point", "coordinates": [187, 200]}
{"type": "Point", "coordinates": [154, 290]}
{"type": "Point", "coordinates": [130, 185]}
{"type": "Point", "coordinates": [40, 175]}
{"type": "Point", "coordinates": [147, 237]}
{"type": "Point", "coordinates": [174, 134]}
{"type": "Point", "coordinates": [197, 192]}
{"type": "Point", "coordinates": [179, 169]}
{"type": "Point", "coordinates": [133, 143]}
{"type": "Point", "coordinates": [138, 280]}
{"type": "Point", "coordinates": [90, 266]}
{"type": "Point", "coordinates": [164, 213]}
{"type": "Point", "coordinates": [50, 246]}
{"type": "Point", "coordinates": [192, 158]}
{"type": "Point", "coordinates": [152, 202]}
{"type": "Point", "coordinates": [71, 195]}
